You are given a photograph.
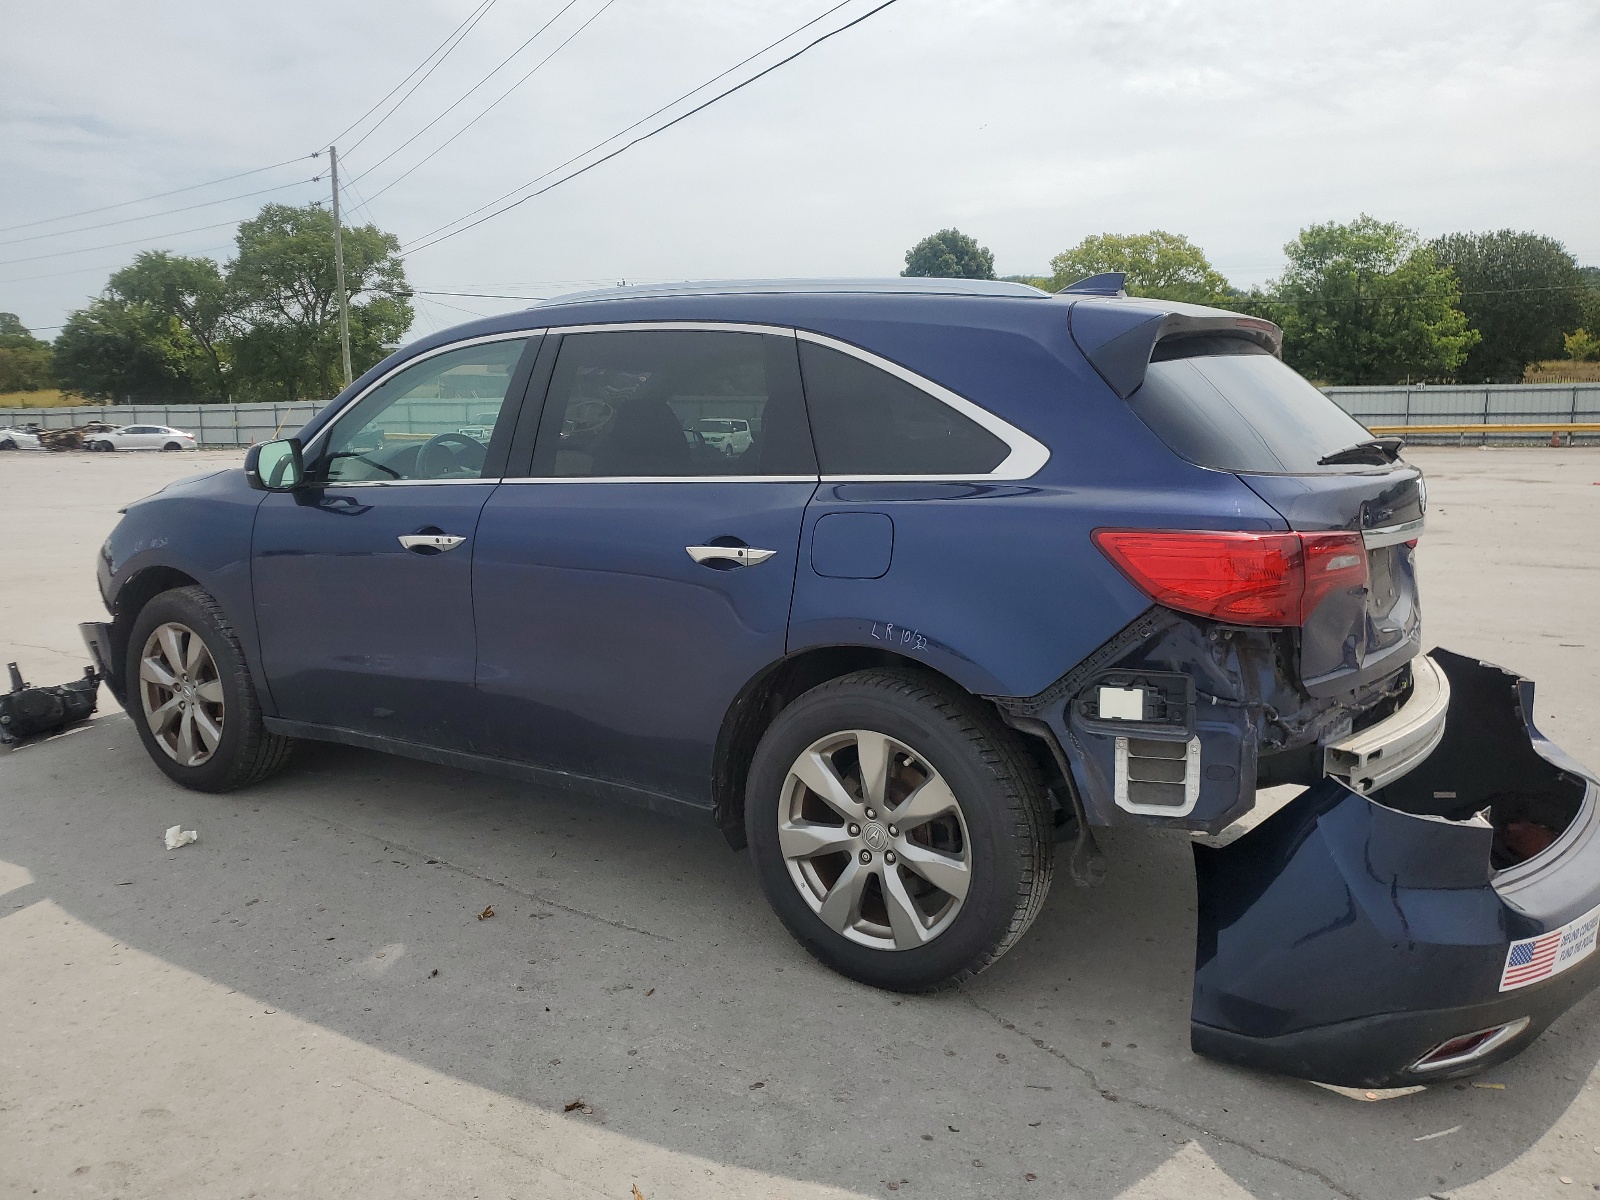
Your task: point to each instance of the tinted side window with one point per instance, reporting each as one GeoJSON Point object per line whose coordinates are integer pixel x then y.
{"type": "Point", "coordinates": [674, 403]}
{"type": "Point", "coordinates": [867, 422]}
{"type": "Point", "coordinates": [431, 421]}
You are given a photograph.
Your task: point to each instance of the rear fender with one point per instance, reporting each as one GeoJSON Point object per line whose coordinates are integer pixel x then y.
{"type": "Point", "coordinates": [1347, 935]}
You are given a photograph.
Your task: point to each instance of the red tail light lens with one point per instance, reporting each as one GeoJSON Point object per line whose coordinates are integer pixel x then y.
{"type": "Point", "coordinates": [1240, 578]}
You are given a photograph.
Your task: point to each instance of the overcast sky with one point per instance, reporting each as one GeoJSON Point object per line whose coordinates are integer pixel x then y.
{"type": "Point", "coordinates": [1026, 123]}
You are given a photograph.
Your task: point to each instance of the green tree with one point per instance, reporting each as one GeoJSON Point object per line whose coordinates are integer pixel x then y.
{"type": "Point", "coordinates": [1167, 266]}
{"type": "Point", "coordinates": [1520, 291]}
{"type": "Point", "coordinates": [192, 292]}
{"type": "Point", "coordinates": [25, 361]}
{"type": "Point", "coordinates": [1365, 302]}
{"type": "Point", "coordinates": [949, 254]}
{"type": "Point", "coordinates": [120, 351]}
{"type": "Point", "coordinates": [284, 288]}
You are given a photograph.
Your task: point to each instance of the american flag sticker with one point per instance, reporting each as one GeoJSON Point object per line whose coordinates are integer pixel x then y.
{"type": "Point", "coordinates": [1533, 959]}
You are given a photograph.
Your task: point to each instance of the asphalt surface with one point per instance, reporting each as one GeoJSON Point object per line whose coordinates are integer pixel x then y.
{"type": "Point", "coordinates": [306, 1002]}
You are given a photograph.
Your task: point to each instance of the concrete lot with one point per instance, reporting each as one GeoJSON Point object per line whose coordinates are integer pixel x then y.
{"type": "Point", "coordinates": [305, 1003]}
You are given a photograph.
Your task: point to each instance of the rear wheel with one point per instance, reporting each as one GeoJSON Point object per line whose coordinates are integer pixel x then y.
{"type": "Point", "coordinates": [900, 831]}
{"type": "Point", "coordinates": [191, 697]}
{"type": "Point", "coordinates": [172, 446]}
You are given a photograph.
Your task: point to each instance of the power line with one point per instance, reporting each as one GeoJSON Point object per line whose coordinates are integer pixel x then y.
{"type": "Point", "coordinates": [89, 212]}
{"type": "Point", "coordinates": [475, 87]}
{"type": "Point", "coordinates": [164, 213]}
{"type": "Point", "coordinates": [424, 243]}
{"type": "Point", "coordinates": [474, 19]}
{"type": "Point", "coordinates": [113, 245]}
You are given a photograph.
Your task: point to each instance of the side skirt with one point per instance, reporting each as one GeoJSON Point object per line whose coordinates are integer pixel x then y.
{"type": "Point", "coordinates": [506, 768]}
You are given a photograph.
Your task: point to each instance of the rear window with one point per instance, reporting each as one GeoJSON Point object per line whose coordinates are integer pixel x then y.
{"type": "Point", "coordinates": [1235, 407]}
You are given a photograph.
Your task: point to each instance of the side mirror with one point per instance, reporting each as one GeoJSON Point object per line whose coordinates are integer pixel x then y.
{"type": "Point", "coordinates": [275, 466]}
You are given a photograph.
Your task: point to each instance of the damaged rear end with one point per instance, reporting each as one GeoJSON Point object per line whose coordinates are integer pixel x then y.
{"type": "Point", "coordinates": [1429, 901]}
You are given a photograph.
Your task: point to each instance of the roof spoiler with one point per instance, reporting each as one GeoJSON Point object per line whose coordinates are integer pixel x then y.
{"type": "Point", "coordinates": [1107, 283]}
{"type": "Point", "coordinates": [1118, 339]}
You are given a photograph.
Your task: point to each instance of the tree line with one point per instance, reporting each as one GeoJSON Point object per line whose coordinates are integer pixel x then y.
{"type": "Point", "coordinates": [170, 328]}
{"type": "Point", "coordinates": [1362, 302]}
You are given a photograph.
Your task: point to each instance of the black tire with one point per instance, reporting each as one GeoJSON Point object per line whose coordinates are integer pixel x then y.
{"type": "Point", "coordinates": [172, 446]}
{"type": "Point", "coordinates": [1002, 799]}
{"type": "Point", "coordinates": [8, 444]}
{"type": "Point", "coordinates": [104, 447]}
{"type": "Point", "coordinates": [246, 752]}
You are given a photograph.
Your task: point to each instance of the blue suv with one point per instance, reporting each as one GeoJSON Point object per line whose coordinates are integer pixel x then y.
{"type": "Point", "coordinates": [985, 570]}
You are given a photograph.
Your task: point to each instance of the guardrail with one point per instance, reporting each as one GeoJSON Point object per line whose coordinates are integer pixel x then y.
{"type": "Point", "coordinates": [1484, 413]}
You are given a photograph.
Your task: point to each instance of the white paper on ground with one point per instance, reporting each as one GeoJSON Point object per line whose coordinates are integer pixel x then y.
{"type": "Point", "coordinates": [179, 836]}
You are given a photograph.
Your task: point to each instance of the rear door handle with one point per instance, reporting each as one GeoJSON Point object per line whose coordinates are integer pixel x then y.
{"type": "Point", "coordinates": [430, 543]}
{"type": "Point", "coordinates": [738, 556]}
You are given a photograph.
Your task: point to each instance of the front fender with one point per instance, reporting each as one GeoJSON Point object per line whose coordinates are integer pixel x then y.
{"type": "Point", "coordinates": [200, 528]}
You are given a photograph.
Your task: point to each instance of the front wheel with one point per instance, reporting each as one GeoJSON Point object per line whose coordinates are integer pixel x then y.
{"type": "Point", "coordinates": [191, 697]}
{"type": "Point", "coordinates": [899, 830]}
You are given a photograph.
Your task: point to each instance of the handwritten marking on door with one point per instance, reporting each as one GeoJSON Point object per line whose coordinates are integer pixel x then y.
{"type": "Point", "coordinates": [898, 635]}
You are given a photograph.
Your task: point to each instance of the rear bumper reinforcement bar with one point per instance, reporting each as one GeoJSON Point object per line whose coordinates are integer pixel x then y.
{"type": "Point", "coordinates": [1382, 753]}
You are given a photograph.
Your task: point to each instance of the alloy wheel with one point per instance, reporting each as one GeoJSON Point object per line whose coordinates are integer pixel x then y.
{"type": "Point", "coordinates": [874, 840]}
{"type": "Point", "coordinates": [181, 693]}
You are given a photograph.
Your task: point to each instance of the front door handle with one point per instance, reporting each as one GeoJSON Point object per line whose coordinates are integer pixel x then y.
{"type": "Point", "coordinates": [734, 556]}
{"type": "Point", "coordinates": [430, 543]}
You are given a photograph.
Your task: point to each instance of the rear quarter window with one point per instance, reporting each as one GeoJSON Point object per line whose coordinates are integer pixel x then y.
{"type": "Point", "coordinates": [1235, 407]}
{"type": "Point", "coordinates": [867, 422]}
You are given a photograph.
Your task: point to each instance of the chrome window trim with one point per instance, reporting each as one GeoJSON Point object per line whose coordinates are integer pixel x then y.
{"type": "Point", "coordinates": [363, 483]}
{"type": "Point", "coordinates": [514, 335]}
{"type": "Point", "coordinates": [589, 479]}
{"type": "Point", "coordinates": [1028, 455]}
{"type": "Point", "coordinates": [1392, 535]}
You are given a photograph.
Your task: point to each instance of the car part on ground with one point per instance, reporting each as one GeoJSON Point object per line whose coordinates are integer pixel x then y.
{"type": "Point", "coordinates": [901, 833]}
{"type": "Point", "coordinates": [27, 711]}
{"type": "Point", "coordinates": [1398, 937]}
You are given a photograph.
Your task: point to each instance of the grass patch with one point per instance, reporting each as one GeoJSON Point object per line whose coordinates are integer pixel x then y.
{"type": "Point", "coordinates": [44, 398]}
{"type": "Point", "coordinates": [1562, 370]}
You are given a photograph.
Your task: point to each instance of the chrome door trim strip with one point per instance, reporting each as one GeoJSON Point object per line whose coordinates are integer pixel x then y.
{"type": "Point", "coordinates": [661, 479]}
{"type": "Point", "coordinates": [514, 335]}
{"type": "Point", "coordinates": [1392, 535]}
{"type": "Point", "coordinates": [365, 483]}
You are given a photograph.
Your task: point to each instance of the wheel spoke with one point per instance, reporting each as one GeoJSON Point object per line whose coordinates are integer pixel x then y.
{"type": "Point", "coordinates": [872, 751]}
{"type": "Point", "coordinates": [841, 908]}
{"type": "Point", "coordinates": [807, 839]}
{"type": "Point", "coordinates": [946, 872]}
{"type": "Point", "coordinates": [210, 733]}
{"type": "Point", "coordinates": [161, 719]}
{"type": "Point", "coordinates": [186, 738]}
{"type": "Point", "coordinates": [817, 773]}
{"type": "Point", "coordinates": [195, 655]}
{"type": "Point", "coordinates": [932, 799]}
{"type": "Point", "coordinates": [210, 691]}
{"type": "Point", "coordinates": [154, 670]}
{"type": "Point", "coordinates": [904, 917]}
{"type": "Point", "coordinates": [172, 647]}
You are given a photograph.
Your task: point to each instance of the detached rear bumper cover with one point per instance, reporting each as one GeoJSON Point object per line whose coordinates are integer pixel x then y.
{"type": "Point", "coordinates": [1350, 934]}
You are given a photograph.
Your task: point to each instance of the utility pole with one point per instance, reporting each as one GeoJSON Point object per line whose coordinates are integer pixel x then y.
{"type": "Point", "coordinates": [338, 261]}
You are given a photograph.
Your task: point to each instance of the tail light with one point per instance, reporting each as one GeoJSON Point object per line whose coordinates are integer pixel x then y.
{"type": "Point", "coordinates": [1240, 578]}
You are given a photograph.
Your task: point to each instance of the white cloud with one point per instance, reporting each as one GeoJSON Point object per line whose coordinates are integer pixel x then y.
{"type": "Point", "coordinates": [1028, 123]}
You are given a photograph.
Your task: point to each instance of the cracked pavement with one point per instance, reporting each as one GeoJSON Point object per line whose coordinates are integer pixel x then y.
{"type": "Point", "coordinates": [305, 1002]}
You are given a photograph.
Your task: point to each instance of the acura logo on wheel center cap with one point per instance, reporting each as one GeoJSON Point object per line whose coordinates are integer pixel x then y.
{"type": "Point", "coordinates": [875, 836]}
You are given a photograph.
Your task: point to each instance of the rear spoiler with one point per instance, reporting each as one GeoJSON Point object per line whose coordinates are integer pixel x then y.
{"type": "Point", "coordinates": [1118, 333]}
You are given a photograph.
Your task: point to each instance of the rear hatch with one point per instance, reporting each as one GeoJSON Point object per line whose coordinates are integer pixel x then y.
{"type": "Point", "coordinates": [1228, 404]}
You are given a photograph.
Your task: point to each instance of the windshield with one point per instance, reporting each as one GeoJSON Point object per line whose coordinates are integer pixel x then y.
{"type": "Point", "coordinates": [1244, 410]}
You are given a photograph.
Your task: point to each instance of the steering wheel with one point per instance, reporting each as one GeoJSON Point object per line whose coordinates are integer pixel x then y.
{"type": "Point", "coordinates": [468, 460]}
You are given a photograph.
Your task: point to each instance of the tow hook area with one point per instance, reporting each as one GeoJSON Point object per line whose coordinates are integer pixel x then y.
{"type": "Point", "coordinates": [1421, 931]}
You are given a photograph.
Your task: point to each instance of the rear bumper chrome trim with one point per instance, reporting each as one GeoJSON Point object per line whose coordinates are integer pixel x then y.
{"type": "Point", "coordinates": [1392, 535]}
{"type": "Point", "coordinates": [1382, 753]}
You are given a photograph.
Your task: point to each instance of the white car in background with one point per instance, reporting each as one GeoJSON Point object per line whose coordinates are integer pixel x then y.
{"type": "Point", "coordinates": [140, 437]}
{"type": "Point", "coordinates": [728, 434]}
{"type": "Point", "coordinates": [19, 439]}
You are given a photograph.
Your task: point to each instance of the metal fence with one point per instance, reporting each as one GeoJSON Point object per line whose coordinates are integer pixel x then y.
{"type": "Point", "coordinates": [211, 424]}
{"type": "Point", "coordinates": [1422, 404]}
{"type": "Point", "coordinates": [1475, 404]}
